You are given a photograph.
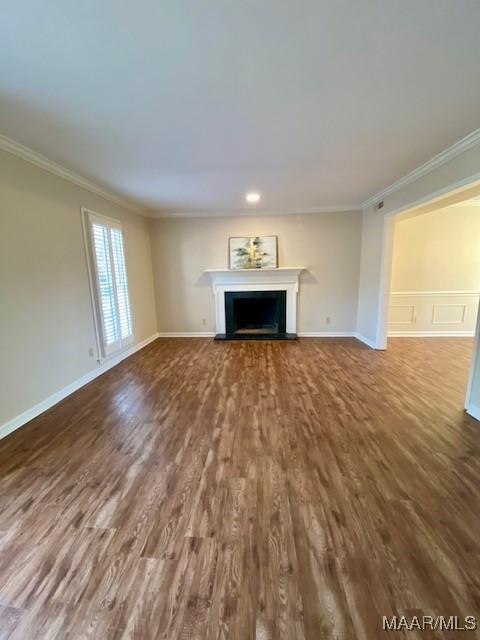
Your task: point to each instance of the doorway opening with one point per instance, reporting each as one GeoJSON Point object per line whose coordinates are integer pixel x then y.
{"type": "Point", "coordinates": [435, 291]}
{"type": "Point", "coordinates": [430, 286]}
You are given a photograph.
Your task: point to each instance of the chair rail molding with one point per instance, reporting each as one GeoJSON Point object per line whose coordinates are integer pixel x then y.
{"type": "Point", "coordinates": [452, 293]}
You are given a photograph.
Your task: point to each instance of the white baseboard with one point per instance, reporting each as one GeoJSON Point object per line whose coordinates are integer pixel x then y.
{"type": "Point", "coordinates": [326, 334]}
{"type": "Point", "coordinates": [365, 340]}
{"type": "Point", "coordinates": [33, 412]}
{"type": "Point", "coordinates": [186, 334]}
{"type": "Point", "coordinates": [431, 334]}
{"type": "Point", "coordinates": [473, 410]}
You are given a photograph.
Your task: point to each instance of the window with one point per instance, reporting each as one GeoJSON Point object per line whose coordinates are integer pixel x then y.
{"type": "Point", "coordinates": [108, 279]}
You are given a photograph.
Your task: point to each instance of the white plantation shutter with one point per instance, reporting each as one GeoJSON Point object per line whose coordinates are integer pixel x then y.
{"type": "Point", "coordinates": [105, 285]}
{"type": "Point", "coordinates": [112, 304]}
{"type": "Point", "coordinates": [121, 283]}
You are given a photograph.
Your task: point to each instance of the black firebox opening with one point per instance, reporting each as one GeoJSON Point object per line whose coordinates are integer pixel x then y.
{"type": "Point", "coordinates": [255, 313]}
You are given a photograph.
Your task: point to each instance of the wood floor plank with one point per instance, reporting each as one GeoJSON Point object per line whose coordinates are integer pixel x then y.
{"type": "Point", "coordinates": [246, 491]}
{"type": "Point", "coordinates": [10, 619]}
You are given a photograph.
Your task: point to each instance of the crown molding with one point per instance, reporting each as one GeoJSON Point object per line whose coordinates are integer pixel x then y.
{"type": "Point", "coordinates": [20, 150]}
{"type": "Point", "coordinates": [338, 208]}
{"type": "Point", "coordinates": [473, 202]}
{"type": "Point", "coordinates": [437, 161]}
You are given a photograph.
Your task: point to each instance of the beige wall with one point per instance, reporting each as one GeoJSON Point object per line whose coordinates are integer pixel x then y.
{"type": "Point", "coordinates": [46, 321]}
{"type": "Point", "coordinates": [328, 244]}
{"type": "Point", "coordinates": [438, 251]}
{"type": "Point", "coordinates": [436, 273]}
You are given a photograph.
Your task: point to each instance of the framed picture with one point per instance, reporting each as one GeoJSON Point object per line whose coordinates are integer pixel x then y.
{"type": "Point", "coordinates": [253, 252]}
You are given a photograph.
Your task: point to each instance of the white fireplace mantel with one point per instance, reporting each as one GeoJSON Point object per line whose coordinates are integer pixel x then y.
{"type": "Point", "coordinates": [280, 279]}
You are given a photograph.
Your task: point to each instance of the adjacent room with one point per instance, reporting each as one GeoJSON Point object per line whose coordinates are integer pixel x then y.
{"type": "Point", "coordinates": [239, 291]}
{"type": "Point", "coordinates": [435, 289]}
{"type": "Point", "coordinates": [435, 283]}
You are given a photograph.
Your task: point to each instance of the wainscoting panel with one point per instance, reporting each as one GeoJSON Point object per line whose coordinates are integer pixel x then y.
{"type": "Point", "coordinates": [402, 314]}
{"type": "Point", "coordinates": [449, 313]}
{"type": "Point", "coordinates": [433, 313]}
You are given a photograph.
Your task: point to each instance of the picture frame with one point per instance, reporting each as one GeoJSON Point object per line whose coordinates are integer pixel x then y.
{"type": "Point", "coordinates": [253, 252]}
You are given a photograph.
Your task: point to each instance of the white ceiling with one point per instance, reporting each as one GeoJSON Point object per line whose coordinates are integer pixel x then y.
{"type": "Point", "coordinates": [185, 105]}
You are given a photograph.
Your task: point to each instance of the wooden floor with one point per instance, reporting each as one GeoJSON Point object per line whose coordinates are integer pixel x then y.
{"type": "Point", "coordinates": [246, 490]}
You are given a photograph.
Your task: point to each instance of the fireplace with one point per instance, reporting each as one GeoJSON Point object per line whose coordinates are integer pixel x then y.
{"type": "Point", "coordinates": [255, 315]}
{"type": "Point", "coordinates": [253, 282]}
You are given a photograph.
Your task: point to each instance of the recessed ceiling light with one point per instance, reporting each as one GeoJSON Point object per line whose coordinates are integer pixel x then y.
{"type": "Point", "coordinates": [252, 197]}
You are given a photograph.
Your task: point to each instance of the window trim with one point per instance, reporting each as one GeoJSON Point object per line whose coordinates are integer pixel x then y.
{"type": "Point", "coordinates": [88, 219]}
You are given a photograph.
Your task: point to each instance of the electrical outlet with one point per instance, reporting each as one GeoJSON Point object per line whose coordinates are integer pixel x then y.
{"type": "Point", "coordinates": [327, 320]}
{"type": "Point", "coordinates": [204, 321]}
{"type": "Point", "coordinates": [90, 352]}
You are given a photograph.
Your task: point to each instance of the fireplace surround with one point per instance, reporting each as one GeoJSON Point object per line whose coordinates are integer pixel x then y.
{"type": "Point", "coordinates": [283, 280]}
